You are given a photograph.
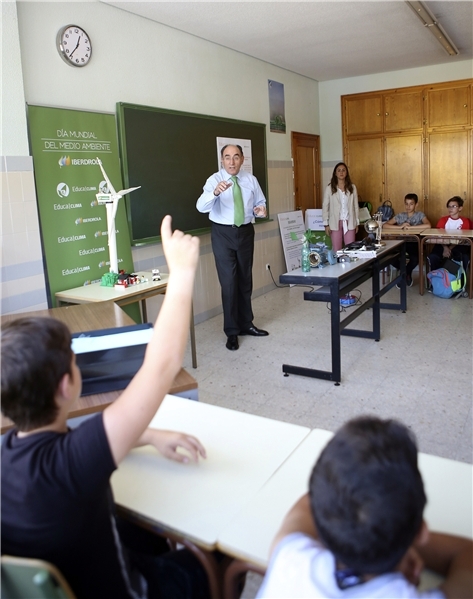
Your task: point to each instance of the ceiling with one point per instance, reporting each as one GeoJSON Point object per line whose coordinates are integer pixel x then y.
{"type": "Point", "coordinates": [321, 40]}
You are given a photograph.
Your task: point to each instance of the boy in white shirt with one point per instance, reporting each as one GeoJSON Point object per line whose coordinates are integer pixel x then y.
{"type": "Point", "coordinates": [360, 532]}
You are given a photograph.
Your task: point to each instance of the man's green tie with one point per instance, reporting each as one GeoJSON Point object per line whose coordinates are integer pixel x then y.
{"type": "Point", "coordinates": [239, 212]}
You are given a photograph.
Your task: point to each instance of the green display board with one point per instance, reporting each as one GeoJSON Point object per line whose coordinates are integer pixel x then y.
{"type": "Point", "coordinates": [171, 155]}
{"type": "Point", "coordinates": [65, 145]}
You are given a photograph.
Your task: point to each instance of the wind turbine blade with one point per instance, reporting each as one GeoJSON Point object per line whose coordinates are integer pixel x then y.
{"type": "Point", "coordinates": [111, 189]}
{"type": "Point", "coordinates": [123, 192]}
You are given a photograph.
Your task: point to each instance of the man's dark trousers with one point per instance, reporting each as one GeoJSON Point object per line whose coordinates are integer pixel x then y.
{"type": "Point", "coordinates": [233, 249]}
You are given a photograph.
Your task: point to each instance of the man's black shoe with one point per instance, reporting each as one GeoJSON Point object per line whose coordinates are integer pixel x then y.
{"type": "Point", "coordinates": [232, 342]}
{"type": "Point", "coordinates": [254, 332]}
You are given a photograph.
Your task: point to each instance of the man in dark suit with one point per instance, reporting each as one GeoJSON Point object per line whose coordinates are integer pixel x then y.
{"type": "Point", "coordinates": [233, 197]}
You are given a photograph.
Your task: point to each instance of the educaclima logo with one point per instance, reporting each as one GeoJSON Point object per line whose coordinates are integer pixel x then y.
{"type": "Point", "coordinates": [64, 161]}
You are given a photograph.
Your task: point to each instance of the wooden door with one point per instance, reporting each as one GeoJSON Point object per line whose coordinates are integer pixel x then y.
{"type": "Point", "coordinates": [449, 156]}
{"type": "Point", "coordinates": [404, 170]}
{"type": "Point", "coordinates": [306, 160]}
{"type": "Point", "coordinates": [365, 161]}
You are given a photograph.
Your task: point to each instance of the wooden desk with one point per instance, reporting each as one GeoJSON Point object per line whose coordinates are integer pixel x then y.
{"type": "Point", "coordinates": [89, 317]}
{"type": "Point", "coordinates": [249, 536]}
{"type": "Point", "coordinates": [95, 293]}
{"type": "Point", "coordinates": [446, 236]}
{"type": "Point", "coordinates": [337, 280]}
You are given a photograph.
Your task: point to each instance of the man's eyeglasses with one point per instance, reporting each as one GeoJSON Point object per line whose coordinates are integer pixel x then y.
{"type": "Point", "coordinates": [453, 206]}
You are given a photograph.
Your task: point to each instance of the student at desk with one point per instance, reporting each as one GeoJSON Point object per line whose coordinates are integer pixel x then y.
{"type": "Point", "coordinates": [360, 532]}
{"type": "Point", "coordinates": [414, 221]}
{"type": "Point", "coordinates": [452, 222]}
{"type": "Point", "coordinates": [56, 497]}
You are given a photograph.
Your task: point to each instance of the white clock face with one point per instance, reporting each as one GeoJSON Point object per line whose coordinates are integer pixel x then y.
{"type": "Point", "coordinates": [74, 45]}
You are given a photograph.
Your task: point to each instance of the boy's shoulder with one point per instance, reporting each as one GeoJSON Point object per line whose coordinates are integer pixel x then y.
{"type": "Point", "coordinates": [301, 566]}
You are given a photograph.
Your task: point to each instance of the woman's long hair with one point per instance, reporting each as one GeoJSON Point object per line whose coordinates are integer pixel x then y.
{"type": "Point", "coordinates": [334, 180]}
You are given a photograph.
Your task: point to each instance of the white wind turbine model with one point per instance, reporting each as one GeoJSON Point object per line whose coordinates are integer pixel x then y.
{"type": "Point", "coordinates": [110, 200]}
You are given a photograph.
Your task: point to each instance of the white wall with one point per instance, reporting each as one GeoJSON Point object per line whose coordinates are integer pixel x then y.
{"type": "Point", "coordinates": [138, 60]}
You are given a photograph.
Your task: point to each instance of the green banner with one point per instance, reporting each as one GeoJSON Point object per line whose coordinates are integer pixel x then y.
{"type": "Point", "coordinates": [65, 145]}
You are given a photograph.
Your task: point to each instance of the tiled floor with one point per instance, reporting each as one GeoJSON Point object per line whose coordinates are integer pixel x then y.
{"type": "Point", "coordinates": [420, 372]}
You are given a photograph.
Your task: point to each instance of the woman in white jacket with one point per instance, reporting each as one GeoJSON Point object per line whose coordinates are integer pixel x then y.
{"type": "Point", "coordinates": [340, 208]}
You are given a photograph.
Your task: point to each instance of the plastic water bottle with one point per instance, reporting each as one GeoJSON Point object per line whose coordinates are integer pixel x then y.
{"type": "Point", "coordinates": [305, 262]}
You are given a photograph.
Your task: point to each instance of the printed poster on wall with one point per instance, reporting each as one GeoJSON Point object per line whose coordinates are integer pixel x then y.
{"type": "Point", "coordinates": [65, 145]}
{"type": "Point", "coordinates": [277, 111]}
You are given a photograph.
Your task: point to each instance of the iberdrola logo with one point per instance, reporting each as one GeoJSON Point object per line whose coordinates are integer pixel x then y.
{"type": "Point", "coordinates": [64, 161]}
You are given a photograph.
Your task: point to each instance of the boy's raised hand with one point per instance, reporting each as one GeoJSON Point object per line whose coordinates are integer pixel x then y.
{"type": "Point", "coordinates": [181, 250]}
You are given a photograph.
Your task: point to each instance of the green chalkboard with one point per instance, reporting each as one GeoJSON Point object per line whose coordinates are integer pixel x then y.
{"type": "Point", "coordinates": [171, 154]}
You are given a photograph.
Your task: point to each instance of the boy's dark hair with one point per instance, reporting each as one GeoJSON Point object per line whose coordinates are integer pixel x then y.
{"type": "Point", "coordinates": [36, 354]}
{"type": "Point", "coordinates": [367, 495]}
{"type": "Point", "coordinates": [456, 199]}
{"type": "Point", "coordinates": [411, 196]}
{"type": "Point", "coordinates": [334, 179]}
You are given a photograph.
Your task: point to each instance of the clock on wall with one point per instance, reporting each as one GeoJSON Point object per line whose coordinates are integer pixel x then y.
{"type": "Point", "coordinates": [74, 45]}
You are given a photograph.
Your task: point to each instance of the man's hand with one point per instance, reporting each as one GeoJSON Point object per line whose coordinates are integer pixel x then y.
{"type": "Point", "coordinates": [168, 444]}
{"type": "Point", "coordinates": [259, 211]}
{"type": "Point", "coordinates": [181, 251]}
{"type": "Point", "coordinates": [222, 186]}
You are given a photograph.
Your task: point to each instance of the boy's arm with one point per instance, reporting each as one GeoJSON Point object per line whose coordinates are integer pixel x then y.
{"type": "Point", "coordinates": [451, 557]}
{"type": "Point", "coordinates": [426, 221]}
{"type": "Point", "coordinates": [391, 223]}
{"type": "Point", "coordinates": [126, 419]}
{"type": "Point", "coordinates": [298, 519]}
{"type": "Point", "coordinates": [168, 443]}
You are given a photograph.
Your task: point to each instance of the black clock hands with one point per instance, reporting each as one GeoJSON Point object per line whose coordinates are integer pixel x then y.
{"type": "Point", "coordinates": [77, 45]}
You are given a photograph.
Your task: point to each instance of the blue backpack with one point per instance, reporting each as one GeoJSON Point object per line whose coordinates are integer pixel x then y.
{"type": "Point", "coordinates": [447, 284]}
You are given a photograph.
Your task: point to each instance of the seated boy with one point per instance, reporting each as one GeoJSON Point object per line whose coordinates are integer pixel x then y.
{"type": "Point", "coordinates": [56, 497]}
{"type": "Point", "coordinates": [453, 221]}
{"type": "Point", "coordinates": [414, 221]}
{"type": "Point", "coordinates": [360, 531]}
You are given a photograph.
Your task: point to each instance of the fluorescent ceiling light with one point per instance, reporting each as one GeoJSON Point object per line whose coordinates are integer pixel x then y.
{"type": "Point", "coordinates": [429, 21]}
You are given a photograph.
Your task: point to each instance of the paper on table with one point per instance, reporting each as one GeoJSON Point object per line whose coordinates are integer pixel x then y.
{"type": "Point", "coordinates": [85, 344]}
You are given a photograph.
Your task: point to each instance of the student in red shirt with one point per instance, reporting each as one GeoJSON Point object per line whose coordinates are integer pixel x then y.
{"type": "Point", "coordinates": [453, 221]}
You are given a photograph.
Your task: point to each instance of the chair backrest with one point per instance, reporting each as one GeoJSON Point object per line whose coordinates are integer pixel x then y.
{"type": "Point", "coordinates": [25, 578]}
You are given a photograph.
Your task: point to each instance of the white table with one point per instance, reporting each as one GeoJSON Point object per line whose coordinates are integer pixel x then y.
{"type": "Point", "coordinates": [197, 501]}
{"type": "Point", "coordinates": [448, 486]}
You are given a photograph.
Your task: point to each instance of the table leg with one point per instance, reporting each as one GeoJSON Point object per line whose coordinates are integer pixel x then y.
{"type": "Point", "coordinates": [192, 329]}
{"type": "Point", "coordinates": [144, 311]}
{"type": "Point", "coordinates": [376, 305]}
{"type": "Point", "coordinates": [335, 334]}
{"type": "Point", "coordinates": [421, 266]}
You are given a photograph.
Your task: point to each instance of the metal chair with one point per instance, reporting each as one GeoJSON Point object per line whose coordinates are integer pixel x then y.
{"type": "Point", "coordinates": [25, 578]}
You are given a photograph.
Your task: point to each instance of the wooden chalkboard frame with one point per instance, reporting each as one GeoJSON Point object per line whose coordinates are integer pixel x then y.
{"type": "Point", "coordinates": [183, 146]}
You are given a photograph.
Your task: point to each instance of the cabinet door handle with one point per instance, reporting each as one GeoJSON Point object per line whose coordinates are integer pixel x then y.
{"type": "Point", "coordinates": [387, 114]}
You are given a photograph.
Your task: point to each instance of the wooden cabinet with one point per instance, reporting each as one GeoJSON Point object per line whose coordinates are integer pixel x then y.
{"type": "Point", "coordinates": [403, 111]}
{"type": "Point", "coordinates": [412, 140]}
{"type": "Point", "coordinates": [405, 151]}
{"type": "Point", "coordinates": [449, 107]}
{"type": "Point", "coordinates": [365, 157]}
{"type": "Point", "coordinates": [449, 156]}
{"type": "Point", "coordinates": [364, 115]}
